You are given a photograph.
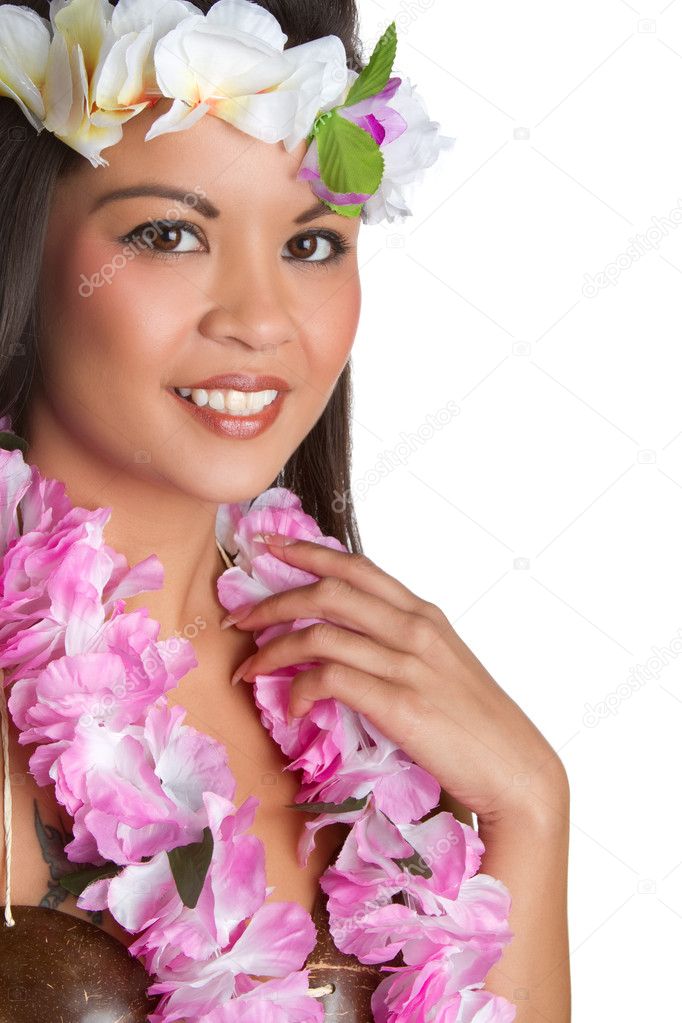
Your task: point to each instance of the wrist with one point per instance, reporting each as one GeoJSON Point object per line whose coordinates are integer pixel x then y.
{"type": "Point", "coordinates": [543, 810]}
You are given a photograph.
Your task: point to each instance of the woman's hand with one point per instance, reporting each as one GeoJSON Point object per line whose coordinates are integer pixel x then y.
{"type": "Point", "coordinates": [395, 658]}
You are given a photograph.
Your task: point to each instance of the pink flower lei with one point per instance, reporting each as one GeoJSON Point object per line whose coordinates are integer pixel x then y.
{"type": "Point", "coordinates": [167, 849]}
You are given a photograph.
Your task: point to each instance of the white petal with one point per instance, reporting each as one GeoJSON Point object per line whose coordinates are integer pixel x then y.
{"type": "Point", "coordinates": [179, 117]}
{"type": "Point", "coordinates": [319, 80]}
{"type": "Point", "coordinates": [267, 116]}
{"type": "Point", "coordinates": [242, 16]}
{"type": "Point", "coordinates": [332, 76]}
{"type": "Point", "coordinates": [141, 81]}
{"type": "Point", "coordinates": [106, 118]}
{"type": "Point", "coordinates": [58, 91]}
{"type": "Point", "coordinates": [406, 157]}
{"type": "Point", "coordinates": [142, 23]}
{"type": "Point", "coordinates": [127, 73]}
{"type": "Point", "coordinates": [225, 67]}
{"type": "Point", "coordinates": [23, 59]}
{"type": "Point", "coordinates": [114, 72]}
{"type": "Point", "coordinates": [136, 15]}
{"type": "Point", "coordinates": [174, 76]}
{"type": "Point", "coordinates": [79, 79]}
{"type": "Point", "coordinates": [85, 22]}
{"type": "Point", "coordinates": [90, 139]}
{"type": "Point", "coordinates": [419, 145]}
{"type": "Point", "coordinates": [140, 892]}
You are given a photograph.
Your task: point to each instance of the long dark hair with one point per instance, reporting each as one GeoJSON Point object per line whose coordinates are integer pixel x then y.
{"type": "Point", "coordinates": [31, 163]}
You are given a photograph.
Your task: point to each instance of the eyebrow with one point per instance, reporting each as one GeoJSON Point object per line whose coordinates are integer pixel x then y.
{"type": "Point", "coordinates": [203, 206]}
{"type": "Point", "coordinates": [319, 209]}
{"type": "Point", "coordinates": [162, 191]}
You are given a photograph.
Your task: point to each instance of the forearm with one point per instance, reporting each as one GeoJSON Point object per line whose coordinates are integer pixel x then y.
{"type": "Point", "coordinates": [529, 854]}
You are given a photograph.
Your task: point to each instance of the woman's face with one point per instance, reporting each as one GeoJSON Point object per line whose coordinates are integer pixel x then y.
{"type": "Point", "coordinates": [237, 286]}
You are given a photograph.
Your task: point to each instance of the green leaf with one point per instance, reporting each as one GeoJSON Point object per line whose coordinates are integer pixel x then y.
{"type": "Point", "coordinates": [349, 210]}
{"type": "Point", "coordinates": [76, 880]}
{"type": "Point", "coordinates": [189, 865]}
{"type": "Point", "coordinates": [11, 442]}
{"type": "Point", "coordinates": [414, 865]}
{"type": "Point", "coordinates": [350, 159]}
{"type": "Point", "coordinates": [377, 71]}
{"type": "Point", "coordinates": [349, 804]}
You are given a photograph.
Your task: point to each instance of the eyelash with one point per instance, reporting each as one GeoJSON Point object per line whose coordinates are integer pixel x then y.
{"type": "Point", "coordinates": [339, 244]}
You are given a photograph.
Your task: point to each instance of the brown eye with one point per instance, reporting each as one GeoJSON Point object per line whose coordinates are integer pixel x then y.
{"type": "Point", "coordinates": [162, 237]}
{"type": "Point", "coordinates": [316, 247]}
{"type": "Point", "coordinates": [167, 237]}
{"type": "Point", "coordinates": [307, 245]}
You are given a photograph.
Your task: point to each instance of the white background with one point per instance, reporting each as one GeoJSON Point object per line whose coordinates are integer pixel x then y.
{"type": "Point", "coordinates": [544, 517]}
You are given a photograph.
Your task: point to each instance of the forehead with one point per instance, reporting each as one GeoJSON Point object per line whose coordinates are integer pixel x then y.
{"type": "Point", "coordinates": [234, 168]}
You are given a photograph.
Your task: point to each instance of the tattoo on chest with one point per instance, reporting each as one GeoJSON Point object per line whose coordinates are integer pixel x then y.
{"type": "Point", "coordinates": [52, 841]}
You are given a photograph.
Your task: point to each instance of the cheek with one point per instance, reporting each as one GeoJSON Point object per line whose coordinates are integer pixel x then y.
{"type": "Point", "coordinates": [108, 344]}
{"type": "Point", "coordinates": [330, 332]}
{"type": "Point", "coordinates": [103, 314]}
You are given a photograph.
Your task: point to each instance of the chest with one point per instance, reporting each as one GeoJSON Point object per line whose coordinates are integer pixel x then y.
{"type": "Point", "coordinates": [229, 715]}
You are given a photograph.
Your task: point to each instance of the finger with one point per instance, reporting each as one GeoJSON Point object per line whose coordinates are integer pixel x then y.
{"type": "Point", "coordinates": [357, 569]}
{"type": "Point", "coordinates": [397, 712]}
{"type": "Point", "coordinates": [361, 690]}
{"type": "Point", "coordinates": [324, 642]}
{"type": "Point", "coordinates": [341, 603]}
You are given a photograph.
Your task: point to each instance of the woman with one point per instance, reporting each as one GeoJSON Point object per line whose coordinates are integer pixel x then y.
{"type": "Point", "coordinates": [111, 368]}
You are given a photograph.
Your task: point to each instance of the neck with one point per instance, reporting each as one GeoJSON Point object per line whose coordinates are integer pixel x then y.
{"type": "Point", "coordinates": [147, 517]}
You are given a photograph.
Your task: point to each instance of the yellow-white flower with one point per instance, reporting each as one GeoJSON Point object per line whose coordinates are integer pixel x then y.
{"type": "Point", "coordinates": [24, 45]}
{"type": "Point", "coordinates": [89, 69]}
{"type": "Point", "coordinates": [232, 63]}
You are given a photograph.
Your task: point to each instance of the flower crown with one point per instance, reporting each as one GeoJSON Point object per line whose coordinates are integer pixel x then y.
{"type": "Point", "coordinates": [93, 66]}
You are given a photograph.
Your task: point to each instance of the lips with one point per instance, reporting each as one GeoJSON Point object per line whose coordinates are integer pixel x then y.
{"type": "Point", "coordinates": [240, 382]}
{"type": "Point", "coordinates": [225, 424]}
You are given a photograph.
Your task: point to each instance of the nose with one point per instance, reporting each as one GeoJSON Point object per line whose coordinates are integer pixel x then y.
{"type": "Point", "coordinates": [251, 307]}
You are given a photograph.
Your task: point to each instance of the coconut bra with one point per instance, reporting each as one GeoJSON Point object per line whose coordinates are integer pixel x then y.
{"type": "Point", "coordinates": [54, 966]}
{"type": "Point", "coordinates": [409, 928]}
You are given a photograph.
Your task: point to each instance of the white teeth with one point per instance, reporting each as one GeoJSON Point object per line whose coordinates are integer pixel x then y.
{"type": "Point", "coordinates": [216, 400]}
{"type": "Point", "coordinates": [199, 396]}
{"type": "Point", "coordinates": [230, 400]}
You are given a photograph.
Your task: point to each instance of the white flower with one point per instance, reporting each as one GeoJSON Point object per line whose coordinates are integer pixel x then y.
{"type": "Point", "coordinates": [232, 63]}
{"type": "Point", "coordinates": [406, 157]}
{"type": "Point", "coordinates": [86, 71]}
{"type": "Point", "coordinates": [24, 44]}
{"type": "Point", "coordinates": [128, 74]}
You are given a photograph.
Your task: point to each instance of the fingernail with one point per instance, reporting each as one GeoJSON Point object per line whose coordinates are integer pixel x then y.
{"type": "Point", "coordinates": [239, 673]}
{"type": "Point", "coordinates": [236, 615]}
{"type": "Point", "coordinates": [280, 539]}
